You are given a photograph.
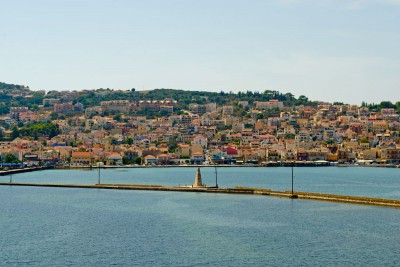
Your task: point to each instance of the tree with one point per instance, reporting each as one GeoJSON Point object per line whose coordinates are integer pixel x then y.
{"type": "Point", "coordinates": [290, 136]}
{"type": "Point", "coordinates": [53, 132]}
{"type": "Point", "coordinates": [53, 116]}
{"type": "Point", "coordinates": [10, 158]}
{"type": "Point", "coordinates": [387, 104]}
{"type": "Point", "coordinates": [128, 141]}
{"type": "Point", "coordinates": [117, 117]}
{"type": "Point", "coordinates": [338, 103]}
{"type": "Point", "coordinates": [125, 160]}
{"type": "Point", "coordinates": [137, 160]}
{"type": "Point", "coordinates": [15, 132]}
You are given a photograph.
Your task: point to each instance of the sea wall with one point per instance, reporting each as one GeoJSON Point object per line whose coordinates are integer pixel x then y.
{"type": "Point", "coordinates": [237, 190]}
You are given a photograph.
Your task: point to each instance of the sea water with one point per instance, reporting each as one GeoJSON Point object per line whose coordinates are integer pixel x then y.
{"type": "Point", "coordinates": [357, 181]}
{"type": "Point", "coordinates": [98, 227]}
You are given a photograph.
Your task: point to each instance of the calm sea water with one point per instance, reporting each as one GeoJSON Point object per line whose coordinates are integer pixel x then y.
{"type": "Point", "coordinates": [80, 227]}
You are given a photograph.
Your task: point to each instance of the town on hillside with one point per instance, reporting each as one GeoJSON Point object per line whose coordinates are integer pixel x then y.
{"type": "Point", "coordinates": [171, 127]}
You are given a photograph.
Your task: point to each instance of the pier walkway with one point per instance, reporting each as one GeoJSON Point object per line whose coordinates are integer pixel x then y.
{"type": "Point", "coordinates": [236, 190]}
{"type": "Point", "coordinates": [21, 170]}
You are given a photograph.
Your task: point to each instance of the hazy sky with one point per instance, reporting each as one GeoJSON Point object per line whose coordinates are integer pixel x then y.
{"type": "Point", "coordinates": [331, 50]}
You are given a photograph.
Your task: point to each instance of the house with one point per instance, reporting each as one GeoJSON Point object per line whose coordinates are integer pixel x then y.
{"type": "Point", "coordinates": [317, 154]}
{"type": "Point", "coordinates": [197, 155]}
{"type": "Point", "coordinates": [200, 140]}
{"type": "Point", "coordinates": [288, 155]}
{"type": "Point", "coordinates": [251, 156]}
{"type": "Point", "coordinates": [391, 155]}
{"type": "Point", "coordinates": [81, 158]}
{"type": "Point", "coordinates": [301, 154]}
{"type": "Point", "coordinates": [114, 158]}
{"type": "Point", "coordinates": [272, 155]}
{"type": "Point", "coordinates": [163, 159]}
{"type": "Point", "coordinates": [150, 160]}
{"type": "Point", "coordinates": [183, 150]}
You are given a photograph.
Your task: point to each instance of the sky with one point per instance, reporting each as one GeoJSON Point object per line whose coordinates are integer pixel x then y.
{"type": "Point", "coordinates": [328, 50]}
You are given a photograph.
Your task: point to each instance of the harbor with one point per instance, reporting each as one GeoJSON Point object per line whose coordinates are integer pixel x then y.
{"type": "Point", "coordinates": [130, 213]}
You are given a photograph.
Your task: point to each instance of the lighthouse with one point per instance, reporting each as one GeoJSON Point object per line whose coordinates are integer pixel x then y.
{"type": "Point", "coordinates": [198, 182]}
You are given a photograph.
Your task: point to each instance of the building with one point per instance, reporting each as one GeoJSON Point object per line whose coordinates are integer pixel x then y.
{"type": "Point", "coordinates": [272, 155]}
{"type": "Point", "coordinates": [51, 101]}
{"type": "Point", "coordinates": [197, 109]}
{"type": "Point", "coordinates": [16, 111]}
{"type": "Point", "coordinates": [186, 119]}
{"type": "Point", "coordinates": [197, 156]}
{"type": "Point", "coordinates": [167, 109]}
{"type": "Point", "coordinates": [122, 106]}
{"type": "Point", "coordinates": [200, 140]}
{"type": "Point", "coordinates": [81, 158]}
{"type": "Point", "coordinates": [269, 105]}
{"type": "Point", "coordinates": [211, 107]}
{"type": "Point", "coordinates": [155, 105]}
{"type": "Point", "coordinates": [63, 107]}
{"type": "Point", "coordinates": [28, 116]}
{"type": "Point", "coordinates": [391, 155]}
{"type": "Point", "coordinates": [227, 110]}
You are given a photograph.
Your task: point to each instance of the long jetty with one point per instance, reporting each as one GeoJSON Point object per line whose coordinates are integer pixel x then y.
{"type": "Point", "coordinates": [21, 170]}
{"type": "Point", "coordinates": [236, 190]}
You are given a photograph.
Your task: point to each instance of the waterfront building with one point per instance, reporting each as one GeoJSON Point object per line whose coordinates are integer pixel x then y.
{"type": "Point", "coordinates": [81, 158]}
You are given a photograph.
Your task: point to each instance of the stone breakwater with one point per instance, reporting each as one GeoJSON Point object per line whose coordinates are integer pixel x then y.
{"type": "Point", "coordinates": [236, 190]}
{"type": "Point", "coordinates": [28, 169]}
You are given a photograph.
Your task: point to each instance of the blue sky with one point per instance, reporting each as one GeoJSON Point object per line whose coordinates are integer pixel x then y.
{"type": "Point", "coordinates": [330, 50]}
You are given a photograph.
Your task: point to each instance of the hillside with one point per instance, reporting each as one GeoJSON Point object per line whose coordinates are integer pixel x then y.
{"type": "Point", "coordinates": [20, 95]}
{"type": "Point", "coordinates": [6, 87]}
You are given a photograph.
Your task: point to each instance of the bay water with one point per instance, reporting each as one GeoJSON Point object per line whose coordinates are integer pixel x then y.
{"type": "Point", "coordinates": [97, 227]}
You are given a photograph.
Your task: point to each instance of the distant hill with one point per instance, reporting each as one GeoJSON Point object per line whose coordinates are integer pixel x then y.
{"type": "Point", "coordinates": [10, 87]}
{"type": "Point", "coordinates": [21, 95]}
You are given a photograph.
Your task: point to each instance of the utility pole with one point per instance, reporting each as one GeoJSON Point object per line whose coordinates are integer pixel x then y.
{"type": "Point", "coordinates": [10, 178]}
{"type": "Point", "coordinates": [293, 195]}
{"type": "Point", "coordinates": [98, 180]}
{"type": "Point", "coordinates": [216, 177]}
{"type": "Point", "coordinates": [91, 151]}
{"type": "Point", "coordinates": [292, 176]}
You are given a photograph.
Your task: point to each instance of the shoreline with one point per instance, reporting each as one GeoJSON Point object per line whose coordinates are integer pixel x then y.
{"type": "Point", "coordinates": [31, 169]}
{"type": "Point", "coordinates": [222, 166]}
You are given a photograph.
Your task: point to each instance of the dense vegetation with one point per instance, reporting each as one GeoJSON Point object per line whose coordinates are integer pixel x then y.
{"type": "Point", "coordinates": [9, 87]}
{"type": "Point", "coordinates": [39, 129]}
{"type": "Point", "coordinates": [7, 100]}
{"type": "Point", "coordinates": [383, 104]}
